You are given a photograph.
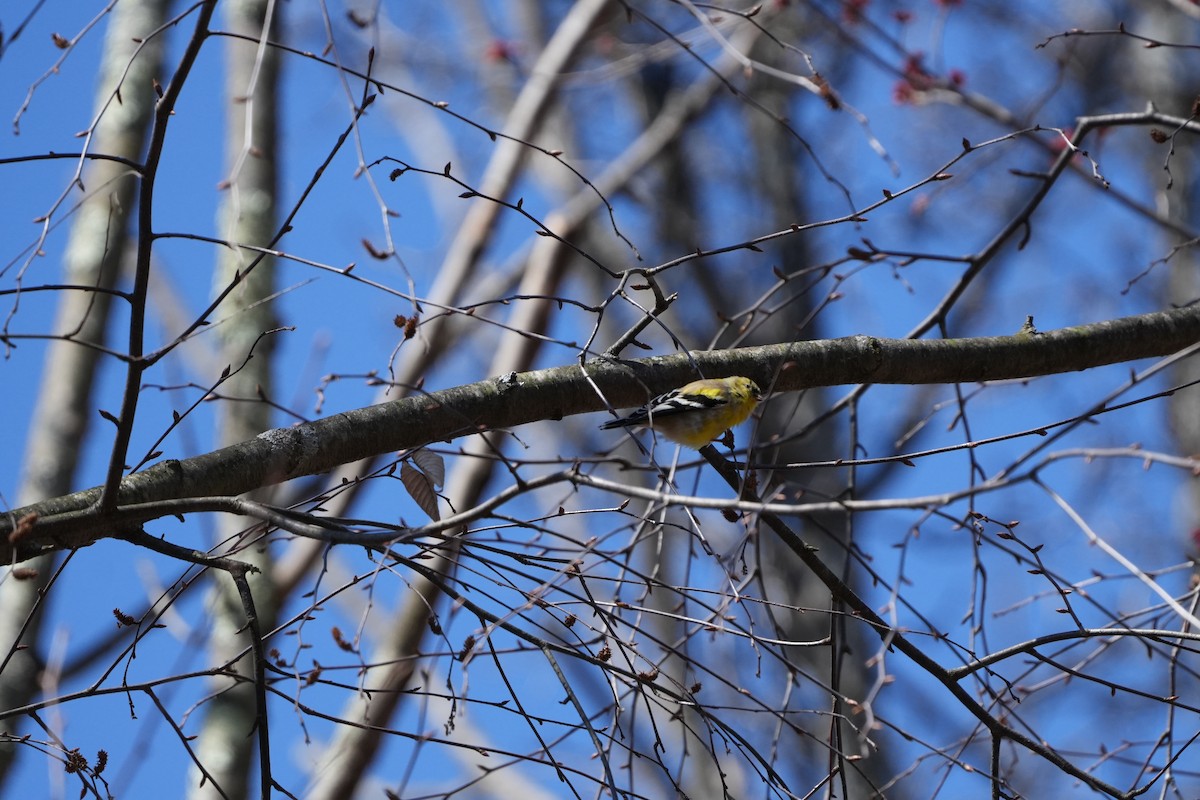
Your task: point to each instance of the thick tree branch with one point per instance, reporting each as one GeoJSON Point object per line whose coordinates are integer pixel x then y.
{"type": "Point", "coordinates": [550, 394]}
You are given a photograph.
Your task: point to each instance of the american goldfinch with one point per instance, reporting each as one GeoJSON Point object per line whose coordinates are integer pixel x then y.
{"type": "Point", "coordinates": [695, 414]}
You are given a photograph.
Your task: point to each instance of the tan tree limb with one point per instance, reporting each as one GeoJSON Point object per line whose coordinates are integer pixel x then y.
{"type": "Point", "coordinates": [133, 56]}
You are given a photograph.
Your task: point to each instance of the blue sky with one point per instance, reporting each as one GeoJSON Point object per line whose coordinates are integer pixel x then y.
{"type": "Point", "coordinates": [1084, 249]}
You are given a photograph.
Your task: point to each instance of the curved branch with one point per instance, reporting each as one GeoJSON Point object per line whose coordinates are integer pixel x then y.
{"type": "Point", "coordinates": [551, 394]}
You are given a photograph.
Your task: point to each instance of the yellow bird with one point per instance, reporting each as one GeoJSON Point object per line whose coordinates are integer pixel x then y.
{"type": "Point", "coordinates": [697, 413]}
